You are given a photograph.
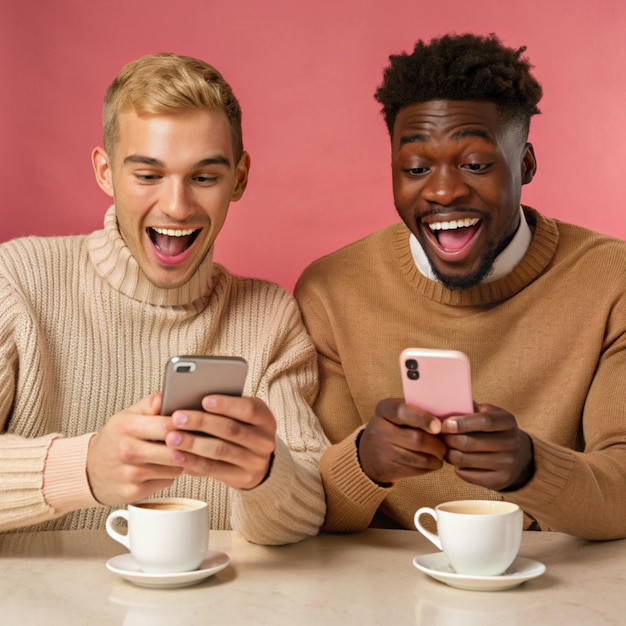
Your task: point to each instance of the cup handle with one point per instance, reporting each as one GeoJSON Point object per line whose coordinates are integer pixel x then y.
{"type": "Point", "coordinates": [425, 510]}
{"type": "Point", "coordinates": [112, 528]}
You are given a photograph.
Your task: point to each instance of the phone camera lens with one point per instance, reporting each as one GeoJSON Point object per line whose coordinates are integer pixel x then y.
{"type": "Point", "coordinates": [183, 368]}
{"type": "Point", "coordinates": [413, 374]}
{"type": "Point", "coordinates": [411, 364]}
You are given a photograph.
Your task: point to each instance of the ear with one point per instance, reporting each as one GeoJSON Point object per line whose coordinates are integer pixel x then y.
{"type": "Point", "coordinates": [241, 177]}
{"type": "Point", "coordinates": [102, 170]}
{"type": "Point", "coordinates": [529, 164]}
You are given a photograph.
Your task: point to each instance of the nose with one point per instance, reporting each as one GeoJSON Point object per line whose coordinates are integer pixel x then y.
{"type": "Point", "coordinates": [444, 185]}
{"type": "Point", "coordinates": [177, 201]}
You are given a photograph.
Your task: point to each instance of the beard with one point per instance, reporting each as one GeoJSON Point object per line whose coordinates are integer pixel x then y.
{"type": "Point", "coordinates": [469, 280]}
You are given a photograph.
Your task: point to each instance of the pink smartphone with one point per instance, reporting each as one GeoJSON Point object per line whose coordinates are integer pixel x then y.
{"type": "Point", "coordinates": [437, 381]}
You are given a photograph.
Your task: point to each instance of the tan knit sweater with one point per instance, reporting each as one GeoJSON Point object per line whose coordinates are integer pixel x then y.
{"type": "Point", "coordinates": [84, 334]}
{"type": "Point", "coordinates": [547, 343]}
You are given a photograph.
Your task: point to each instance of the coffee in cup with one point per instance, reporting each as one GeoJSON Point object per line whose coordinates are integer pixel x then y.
{"type": "Point", "coordinates": [479, 537]}
{"type": "Point", "coordinates": [166, 506]}
{"type": "Point", "coordinates": [164, 535]}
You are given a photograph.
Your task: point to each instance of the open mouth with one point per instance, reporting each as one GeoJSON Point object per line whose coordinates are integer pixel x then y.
{"type": "Point", "coordinates": [171, 242]}
{"type": "Point", "coordinates": [454, 235]}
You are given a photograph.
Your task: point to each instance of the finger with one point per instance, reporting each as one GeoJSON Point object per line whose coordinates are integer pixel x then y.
{"type": "Point", "coordinates": [247, 410]}
{"type": "Point", "coordinates": [491, 461]}
{"type": "Point", "coordinates": [493, 480]}
{"type": "Point", "coordinates": [145, 460]}
{"type": "Point", "coordinates": [503, 441]}
{"type": "Point", "coordinates": [141, 420]}
{"type": "Point", "coordinates": [250, 425]}
{"type": "Point", "coordinates": [149, 405]}
{"type": "Point", "coordinates": [147, 428]}
{"type": "Point", "coordinates": [400, 464]}
{"type": "Point", "coordinates": [235, 476]}
{"type": "Point", "coordinates": [487, 420]}
{"type": "Point", "coordinates": [149, 472]}
{"type": "Point", "coordinates": [132, 492]}
{"type": "Point", "coordinates": [415, 440]}
{"type": "Point", "coordinates": [417, 461]}
{"type": "Point", "coordinates": [227, 442]}
{"type": "Point", "coordinates": [387, 439]}
{"type": "Point", "coordinates": [211, 425]}
{"type": "Point", "coordinates": [192, 426]}
{"type": "Point", "coordinates": [235, 466]}
{"type": "Point", "coordinates": [396, 411]}
{"type": "Point", "coordinates": [388, 452]}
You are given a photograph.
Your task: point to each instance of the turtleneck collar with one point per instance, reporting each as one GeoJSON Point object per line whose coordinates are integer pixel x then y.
{"type": "Point", "coordinates": [537, 257]}
{"type": "Point", "coordinates": [504, 262]}
{"type": "Point", "coordinates": [115, 264]}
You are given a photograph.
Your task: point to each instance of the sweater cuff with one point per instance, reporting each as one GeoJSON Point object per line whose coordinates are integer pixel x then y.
{"type": "Point", "coordinates": [286, 507]}
{"type": "Point", "coordinates": [352, 497]}
{"type": "Point", "coordinates": [554, 466]}
{"type": "Point", "coordinates": [553, 471]}
{"type": "Point", "coordinates": [65, 484]}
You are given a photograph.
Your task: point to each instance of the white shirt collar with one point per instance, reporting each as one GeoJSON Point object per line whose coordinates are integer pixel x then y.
{"type": "Point", "coordinates": [504, 263]}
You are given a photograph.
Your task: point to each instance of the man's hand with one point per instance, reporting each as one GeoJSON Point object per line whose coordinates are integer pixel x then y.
{"type": "Point", "coordinates": [400, 441]}
{"type": "Point", "coordinates": [488, 448]}
{"type": "Point", "coordinates": [127, 460]}
{"type": "Point", "coordinates": [240, 444]}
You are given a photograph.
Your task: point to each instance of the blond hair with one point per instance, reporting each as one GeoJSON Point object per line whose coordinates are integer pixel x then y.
{"type": "Point", "coordinates": [169, 83]}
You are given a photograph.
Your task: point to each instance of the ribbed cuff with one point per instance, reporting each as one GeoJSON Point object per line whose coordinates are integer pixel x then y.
{"type": "Point", "coordinates": [287, 507]}
{"type": "Point", "coordinates": [65, 484]}
{"type": "Point", "coordinates": [342, 464]}
{"type": "Point", "coordinates": [352, 498]}
{"type": "Point", "coordinates": [553, 469]}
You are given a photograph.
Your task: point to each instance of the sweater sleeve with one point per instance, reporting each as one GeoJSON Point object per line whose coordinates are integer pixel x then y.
{"type": "Point", "coordinates": [581, 492]}
{"type": "Point", "coordinates": [22, 460]}
{"type": "Point", "coordinates": [290, 504]}
{"type": "Point", "coordinates": [287, 507]}
{"type": "Point", "coordinates": [65, 484]}
{"type": "Point", "coordinates": [352, 499]}
{"type": "Point", "coordinates": [42, 478]}
{"type": "Point", "coordinates": [22, 464]}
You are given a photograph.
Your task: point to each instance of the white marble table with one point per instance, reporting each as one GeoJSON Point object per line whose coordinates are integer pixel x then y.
{"type": "Point", "coordinates": [362, 579]}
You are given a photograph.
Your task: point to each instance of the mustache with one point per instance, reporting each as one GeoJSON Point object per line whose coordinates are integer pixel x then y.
{"type": "Point", "coordinates": [437, 211]}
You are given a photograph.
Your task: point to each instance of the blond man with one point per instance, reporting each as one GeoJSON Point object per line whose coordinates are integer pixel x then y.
{"type": "Point", "coordinates": [88, 323]}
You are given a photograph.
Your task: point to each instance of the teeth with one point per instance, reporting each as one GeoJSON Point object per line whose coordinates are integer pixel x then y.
{"type": "Point", "coordinates": [174, 233]}
{"type": "Point", "coordinates": [454, 224]}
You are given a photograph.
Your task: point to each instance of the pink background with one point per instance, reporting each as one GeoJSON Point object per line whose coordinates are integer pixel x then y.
{"type": "Point", "coordinates": [305, 72]}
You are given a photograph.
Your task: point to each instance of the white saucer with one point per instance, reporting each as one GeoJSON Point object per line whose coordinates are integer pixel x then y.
{"type": "Point", "coordinates": [436, 565]}
{"type": "Point", "coordinates": [126, 566]}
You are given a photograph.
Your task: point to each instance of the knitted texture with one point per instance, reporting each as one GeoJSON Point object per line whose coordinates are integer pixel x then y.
{"type": "Point", "coordinates": [84, 334]}
{"type": "Point", "coordinates": [546, 342]}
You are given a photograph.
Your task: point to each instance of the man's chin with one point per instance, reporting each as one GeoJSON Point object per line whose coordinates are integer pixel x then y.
{"type": "Point", "coordinates": [463, 281]}
{"type": "Point", "coordinates": [168, 279]}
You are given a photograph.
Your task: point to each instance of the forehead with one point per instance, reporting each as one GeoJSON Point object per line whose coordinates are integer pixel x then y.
{"type": "Point", "coordinates": [448, 119]}
{"type": "Point", "coordinates": [160, 134]}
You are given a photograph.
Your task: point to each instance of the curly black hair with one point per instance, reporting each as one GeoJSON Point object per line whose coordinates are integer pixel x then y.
{"type": "Point", "coordinates": [460, 67]}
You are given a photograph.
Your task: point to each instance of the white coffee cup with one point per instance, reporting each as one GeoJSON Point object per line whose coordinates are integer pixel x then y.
{"type": "Point", "coordinates": [164, 535]}
{"type": "Point", "coordinates": [479, 537]}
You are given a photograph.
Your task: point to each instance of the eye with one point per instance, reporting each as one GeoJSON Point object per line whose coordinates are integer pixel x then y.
{"type": "Point", "coordinates": [417, 171]}
{"type": "Point", "coordinates": [477, 167]}
{"type": "Point", "coordinates": [147, 178]}
{"type": "Point", "coordinates": [205, 179]}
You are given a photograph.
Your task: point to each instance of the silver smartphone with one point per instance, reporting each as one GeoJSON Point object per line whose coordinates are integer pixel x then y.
{"type": "Point", "coordinates": [189, 378]}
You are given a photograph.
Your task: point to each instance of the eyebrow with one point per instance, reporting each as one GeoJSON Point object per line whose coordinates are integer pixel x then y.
{"type": "Point", "coordinates": [146, 160]}
{"type": "Point", "coordinates": [461, 134]}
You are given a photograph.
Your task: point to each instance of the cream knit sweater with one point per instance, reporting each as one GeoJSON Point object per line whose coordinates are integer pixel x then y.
{"type": "Point", "coordinates": [84, 334]}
